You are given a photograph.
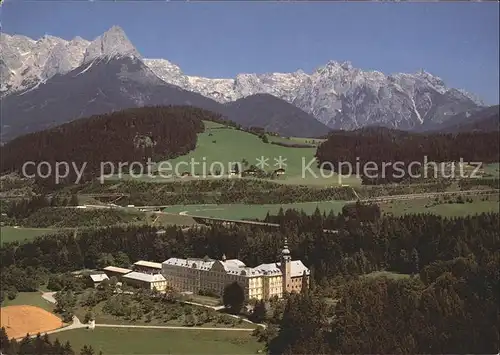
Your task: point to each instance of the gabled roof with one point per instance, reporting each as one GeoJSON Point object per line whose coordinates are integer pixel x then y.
{"type": "Point", "coordinates": [144, 277]}
{"type": "Point", "coordinates": [297, 268]}
{"type": "Point", "coordinates": [148, 264]}
{"type": "Point", "coordinates": [117, 269]}
{"type": "Point", "coordinates": [237, 267]}
{"type": "Point", "coordinates": [99, 277]}
{"type": "Point", "coordinates": [198, 263]}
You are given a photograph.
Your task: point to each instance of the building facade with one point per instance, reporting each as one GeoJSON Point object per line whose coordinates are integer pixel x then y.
{"type": "Point", "coordinates": [260, 282]}
{"type": "Point", "coordinates": [147, 281]}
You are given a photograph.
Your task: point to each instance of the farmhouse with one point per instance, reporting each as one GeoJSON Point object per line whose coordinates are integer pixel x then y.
{"type": "Point", "coordinates": [148, 281]}
{"type": "Point", "coordinates": [279, 172]}
{"type": "Point", "coordinates": [249, 172]}
{"type": "Point", "coordinates": [261, 282]}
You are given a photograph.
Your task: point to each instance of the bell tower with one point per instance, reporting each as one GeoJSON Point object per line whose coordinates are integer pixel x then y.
{"type": "Point", "coordinates": [286, 267]}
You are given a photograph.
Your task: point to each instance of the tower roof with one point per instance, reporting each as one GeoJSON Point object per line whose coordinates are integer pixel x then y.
{"type": "Point", "coordinates": [285, 250]}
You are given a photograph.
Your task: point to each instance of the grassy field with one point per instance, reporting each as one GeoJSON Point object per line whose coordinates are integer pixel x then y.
{"type": "Point", "coordinates": [242, 211]}
{"type": "Point", "coordinates": [173, 219]}
{"type": "Point", "coordinates": [228, 145]}
{"type": "Point", "coordinates": [443, 209]}
{"type": "Point", "coordinates": [30, 299]}
{"type": "Point", "coordinates": [492, 170]}
{"type": "Point", "coordinates": [11, 234]}
{"type": "Point", "coordinates": [160, 341]}
{"type": "Point", "coordinates": [388, 274]}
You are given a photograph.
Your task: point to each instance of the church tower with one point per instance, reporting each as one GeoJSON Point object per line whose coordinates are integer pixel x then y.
{"type": "Point", "coordinates": [286, 268]}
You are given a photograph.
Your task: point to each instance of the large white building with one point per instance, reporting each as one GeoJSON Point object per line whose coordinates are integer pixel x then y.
{"type": "Point", "coordinates": [260, 282]}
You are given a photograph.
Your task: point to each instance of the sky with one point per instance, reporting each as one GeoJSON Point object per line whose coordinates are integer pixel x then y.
{"type": "Point", "coordinates": [457, 41]}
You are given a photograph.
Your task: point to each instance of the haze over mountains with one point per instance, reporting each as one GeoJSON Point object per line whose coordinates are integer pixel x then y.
{"type": "Point", "coordinates": [42, 77]}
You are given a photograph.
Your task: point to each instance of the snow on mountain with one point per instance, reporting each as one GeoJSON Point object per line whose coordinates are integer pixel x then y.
{"type": "Point", "coordinates": [337, 94]}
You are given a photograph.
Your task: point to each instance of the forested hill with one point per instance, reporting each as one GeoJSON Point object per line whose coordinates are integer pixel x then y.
{"type": "Point", "coordinates": [379, 145]}
{"type": "Point", "coordinates": [125, 136]}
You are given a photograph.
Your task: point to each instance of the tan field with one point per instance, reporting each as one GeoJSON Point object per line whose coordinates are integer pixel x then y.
{"type": "Point", "coordinates": [20, 320]}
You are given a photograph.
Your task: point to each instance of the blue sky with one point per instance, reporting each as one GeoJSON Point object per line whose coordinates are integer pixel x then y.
{"type": "Point", "coordinates": [457, 41]}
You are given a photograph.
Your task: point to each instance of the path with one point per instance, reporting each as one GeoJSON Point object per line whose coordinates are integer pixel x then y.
{"type": "Point", "coordinates": [169, 327]}
{"type": "Point", "coordinates": [49, 296]}
{"type": "Point", "coordinates": [77, 324]}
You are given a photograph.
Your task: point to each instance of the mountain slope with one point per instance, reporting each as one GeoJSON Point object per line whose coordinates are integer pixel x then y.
{"type": "Point", "coordinates": [486, 120]}
{"type": "Point", "coordinates": [336, 94]}
{"type": "Point", "coordinates": [275, 115]}
{"type": "Point", "coordinates": [100, 86]}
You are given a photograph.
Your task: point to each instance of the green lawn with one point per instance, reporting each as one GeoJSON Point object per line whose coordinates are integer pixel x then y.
{"type": "Point", "coordinates": [206, 300]}
{"type": "Point", "coordinates": [10, 234]}
{"type": "Point", "coordinates": [30, 299]}
{"type": "Point", "coordinates": [160, 341]}
{"type": "Point", "coordinates": [242, 211]}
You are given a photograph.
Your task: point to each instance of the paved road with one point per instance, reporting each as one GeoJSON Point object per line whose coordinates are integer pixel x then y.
{"type": "Point", "coordinates": [169, 327]}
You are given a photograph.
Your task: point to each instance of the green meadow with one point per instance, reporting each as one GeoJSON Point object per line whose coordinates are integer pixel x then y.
{"type": "Point", "coordinates": [160, 341]}
{"type": "Point", "coordinates": [12, 234]}
{"type": "Point", "coordinates": [220, 147]}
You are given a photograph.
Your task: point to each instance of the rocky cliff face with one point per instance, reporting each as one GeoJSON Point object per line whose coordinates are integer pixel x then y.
{"type": "Point", "coordinates": [336, 94]}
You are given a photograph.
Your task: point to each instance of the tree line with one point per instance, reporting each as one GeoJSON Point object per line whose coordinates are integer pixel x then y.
{"type": "Point", "coordinates": [383, 145]}
{"type": "Point", "coordinates": [39, 345]}
{"type": "Point", "coordinates": [132, 135]}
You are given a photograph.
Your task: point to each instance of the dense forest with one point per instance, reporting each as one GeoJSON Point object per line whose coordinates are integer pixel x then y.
{"type": "Point", "coordinates": [366, 242]}
{"type": "Point", "coordinates": [383, 145]}
{"type": "Point", "coordinates": [449, 305]}
{"type": "Point", "coordinates": [454, 311]}
{"type": "Point", "coordinates": [132, 135]}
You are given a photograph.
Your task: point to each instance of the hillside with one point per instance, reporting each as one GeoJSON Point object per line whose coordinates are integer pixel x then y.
{"type": "Point", "coordinates": [126, 136]}
{"type": "Point", "coordinates": [274, 115]}
{"type": "Point", "coordinates": [227, 145]}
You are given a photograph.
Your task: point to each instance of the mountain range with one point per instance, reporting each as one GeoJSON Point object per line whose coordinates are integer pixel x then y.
{"type": "Point", "coordinates": [52, 80]}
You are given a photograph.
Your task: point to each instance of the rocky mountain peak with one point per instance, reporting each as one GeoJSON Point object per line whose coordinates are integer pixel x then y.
{"type": "Point", "coordinates": [111, 43]}
{"type": "Point", "coordinates": [337, 93]}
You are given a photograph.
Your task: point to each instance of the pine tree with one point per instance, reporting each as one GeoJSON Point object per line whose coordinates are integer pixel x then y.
{"type": "Point", "coordinates": [68, 350]}
{"type": "Point", "coordinates": [87, 350]}
{"type": "Point", "coordinates": [259, 312]}
{"type": "Point", "coordinates": [4, 340]}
